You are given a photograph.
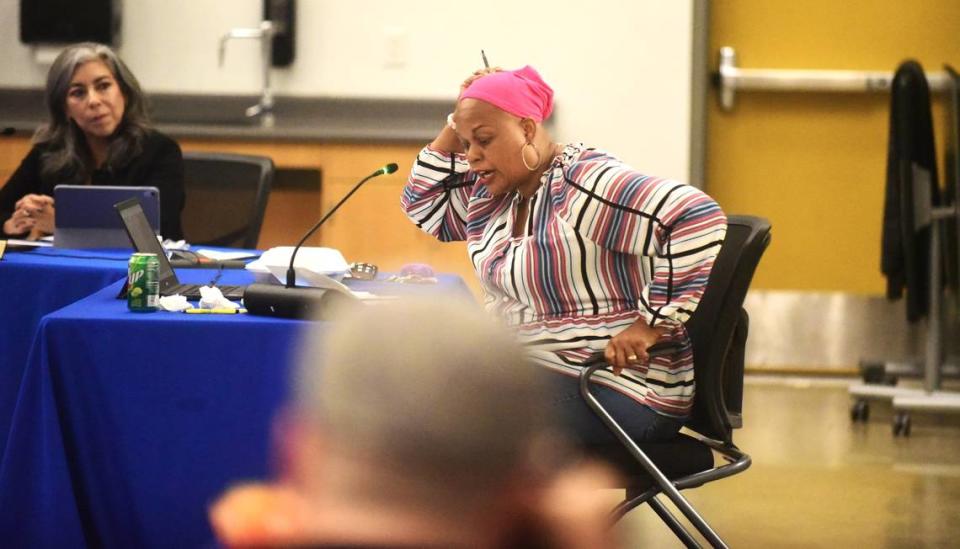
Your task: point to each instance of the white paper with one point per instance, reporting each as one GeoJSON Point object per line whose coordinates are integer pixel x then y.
{"type": "Point", "coordinates": [327, 262]}
{"type": "Point", "coordinates": [370, 297]}
{"type": "Point", "coordinates": [223, 256]}
{"type": "Point", "coordinates": [29, 243]}
{"type": "Point", "coordinates": [306, 277]}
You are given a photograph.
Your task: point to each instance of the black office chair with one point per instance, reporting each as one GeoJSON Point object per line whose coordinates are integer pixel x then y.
{"type": "Point", "coordinates": [226, 198]}
{"type": "Point", "coordinates": [718, 332]}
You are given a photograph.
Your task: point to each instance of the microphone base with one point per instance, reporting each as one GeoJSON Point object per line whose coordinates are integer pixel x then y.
{"type": "Point", "coordinates": [297, 302]}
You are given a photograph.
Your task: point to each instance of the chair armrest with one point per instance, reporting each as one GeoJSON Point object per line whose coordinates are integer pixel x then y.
{"type": "Point", "coordinates": [661, 348]}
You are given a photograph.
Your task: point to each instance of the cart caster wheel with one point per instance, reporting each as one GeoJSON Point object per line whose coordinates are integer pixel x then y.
{"type": "Point", "coordinates": [901, 424]}
{"type": "Point", "coordinates": [860, 411]}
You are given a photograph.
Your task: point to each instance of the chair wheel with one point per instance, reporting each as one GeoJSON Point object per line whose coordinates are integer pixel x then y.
{"type": "Point", "coordinates": [901, 424]}
{"type": "Point", "coordinates": [860, 411]}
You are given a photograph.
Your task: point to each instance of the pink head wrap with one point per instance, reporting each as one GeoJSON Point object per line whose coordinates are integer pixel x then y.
{"type": "Point", "coordinates": [521, 93]}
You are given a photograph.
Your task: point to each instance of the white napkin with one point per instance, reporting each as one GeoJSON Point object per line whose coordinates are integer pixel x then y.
{"type": "Point", "coordinates": [174, 303]}
{"type": "Point", "coordinates": [212, 298]}
{"type": "Point", "coordinates": [174, 244]}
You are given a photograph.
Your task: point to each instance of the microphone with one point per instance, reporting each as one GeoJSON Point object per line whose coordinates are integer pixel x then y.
{"type": "Point", "coordinates": [290, 301]}
{"type": "Point", "coordinates": [291, 273]}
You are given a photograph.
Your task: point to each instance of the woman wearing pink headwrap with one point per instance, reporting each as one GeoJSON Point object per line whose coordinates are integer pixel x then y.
{"type": "Point", "coordinates": [574, 249]}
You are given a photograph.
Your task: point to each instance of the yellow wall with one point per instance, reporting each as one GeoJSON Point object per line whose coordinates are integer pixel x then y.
{"type": "Point", "coordinates": [814, 163]}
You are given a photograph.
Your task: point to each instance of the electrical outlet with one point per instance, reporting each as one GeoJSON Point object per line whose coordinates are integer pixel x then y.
{"type": "Point", "coordinates": [394, 47]}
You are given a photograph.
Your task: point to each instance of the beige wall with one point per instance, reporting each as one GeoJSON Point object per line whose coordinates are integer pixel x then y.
{"type": "Point", "coordinates": [814, 163]}
{"type": "Point", "coordinates": [423, 49]}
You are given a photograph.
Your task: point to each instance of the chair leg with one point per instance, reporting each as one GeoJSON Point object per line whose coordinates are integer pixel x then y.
{"type": "Point", "coordinates": [671, 521]}
{"type": "Point", "coordinates": [634, 499]}
{"type": "Point", "coordinates": [668, 488]}
{"type": "Point", "coordinates": [695, 519]}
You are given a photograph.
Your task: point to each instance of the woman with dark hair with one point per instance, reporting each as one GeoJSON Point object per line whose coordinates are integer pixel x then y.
{"type": "Point", "coordinates": [98, 134]}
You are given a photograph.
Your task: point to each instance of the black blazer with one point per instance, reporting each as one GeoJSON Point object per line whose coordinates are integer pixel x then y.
{"type": "Point", "coordinates": [906, 249]}
{"type": "Point", "coordinates": [159, 165]}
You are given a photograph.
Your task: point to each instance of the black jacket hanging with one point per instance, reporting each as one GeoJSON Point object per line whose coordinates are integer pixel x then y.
{"type": "Point", "coordinates": [951, 181]}
{"type": "Point", "coordinates": [911, 191]}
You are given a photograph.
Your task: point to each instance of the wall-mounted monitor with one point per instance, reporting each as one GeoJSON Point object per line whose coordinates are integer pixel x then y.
{"type": "Point", "coordinates": [68, 21]}
{"type": "Point", "coordinates": [283, 13]}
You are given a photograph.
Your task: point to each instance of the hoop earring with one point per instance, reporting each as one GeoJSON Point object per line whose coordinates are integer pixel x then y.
{"type": "Point", "coordinates": [523, 157]}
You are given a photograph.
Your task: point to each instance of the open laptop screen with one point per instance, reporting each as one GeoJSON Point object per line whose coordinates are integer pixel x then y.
{"type": "Point", "coordinates": [144, 239]}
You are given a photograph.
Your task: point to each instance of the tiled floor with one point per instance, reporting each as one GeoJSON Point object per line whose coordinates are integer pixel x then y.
{"type": "Point", "coordinates": [818, 480]}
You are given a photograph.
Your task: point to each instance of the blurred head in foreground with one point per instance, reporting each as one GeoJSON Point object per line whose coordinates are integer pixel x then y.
{"type": "Point", "coordinates": [436, 396]}
{"type": "Point", "coordinates": [413, 424]}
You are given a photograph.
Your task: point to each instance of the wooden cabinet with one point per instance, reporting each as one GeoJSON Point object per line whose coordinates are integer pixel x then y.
{"type": "Point", "coordinates": [12, 150]}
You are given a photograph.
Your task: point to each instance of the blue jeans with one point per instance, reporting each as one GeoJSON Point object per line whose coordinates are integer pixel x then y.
{"type": "Point", "coordinates": [581, 424]}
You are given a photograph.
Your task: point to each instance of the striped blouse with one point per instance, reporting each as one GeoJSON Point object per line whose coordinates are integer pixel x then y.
{"type": "Point", "coordinates": [602, 246]}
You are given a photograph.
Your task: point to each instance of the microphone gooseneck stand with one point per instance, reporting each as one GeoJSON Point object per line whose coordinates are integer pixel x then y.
{"type": "Point", "coordinates": [292, 301]}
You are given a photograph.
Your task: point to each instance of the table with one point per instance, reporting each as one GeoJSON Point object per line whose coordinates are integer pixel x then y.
{"type": "Point", "coordinates": [34, 283]}
{"type": "Point", "coordinates": [128, 425]}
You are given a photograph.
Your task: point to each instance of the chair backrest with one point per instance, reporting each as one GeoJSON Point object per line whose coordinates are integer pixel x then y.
{"type": "Point", "coordinates": [718, 329]}
{"type": "Point", "coordinates": [226, 198]}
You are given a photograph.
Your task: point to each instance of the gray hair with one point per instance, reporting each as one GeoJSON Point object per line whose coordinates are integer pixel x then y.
{"type": "Point", "coordinates": [435, 392]}
{"type": "Point", "coordinates": [67, 158]}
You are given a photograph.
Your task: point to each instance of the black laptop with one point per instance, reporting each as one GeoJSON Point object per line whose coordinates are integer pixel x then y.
{"type": "Point", "coordinates": [144, 240]}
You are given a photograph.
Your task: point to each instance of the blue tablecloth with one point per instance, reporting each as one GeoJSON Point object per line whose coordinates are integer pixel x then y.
{"type": "Point", "coordinates": [33, 284]}
{"type": "Point", "coordinates": [128, 425]}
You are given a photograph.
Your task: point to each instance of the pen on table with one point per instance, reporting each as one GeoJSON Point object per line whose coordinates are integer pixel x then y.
{"type": "Point", "coordinates": [197, 311]}
{"type": "Point", "coordinates": [486, 63]}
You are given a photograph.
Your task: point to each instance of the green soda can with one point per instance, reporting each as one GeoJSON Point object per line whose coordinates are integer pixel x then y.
{"type": "Point", "coordinates": [143, 283]}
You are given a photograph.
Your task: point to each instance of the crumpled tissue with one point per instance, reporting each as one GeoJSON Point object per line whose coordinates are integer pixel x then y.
{"type": "Point", "coordinates": [212, 298]}
{"type": "Point", "coordinates": [174, 245]}
{"type": "Point", "coordinates": [174, 303]}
